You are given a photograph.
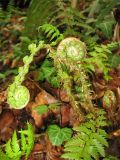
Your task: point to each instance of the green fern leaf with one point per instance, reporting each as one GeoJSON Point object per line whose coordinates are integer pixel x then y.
{"type": "Point", "coordinates": [83, 129]}
{"type": "Point", "coordinates": [102, 132]}
{"type": "Point", "coordinates": [14, 143]}
{"type": "Point", "coordinates": [76, 141]}
{"type": "Point", "coordinates": [71, 156]}
{"type": "Point", "coordinates": [3, 156]}
{"type": "Point", "coordinates": [23, 142]}
{"type": "Point", "coordinates": [74, 149]}
{"type": "Point", "coordinates": [11, 151]}
{"type": "Point", "coordinates": [93, 151]}
{"type": "Point", "coordinates": [100, 139]}
{"type": "Point", "coordinates": [29, 136]}
{"type": "Point", "coordinates": [99, 147]}
{"type": "Point", "coordinates": [106, 27]}
{"type": "Point", "coordinates": [30, 139]}
{"type": "Point", "coordinates": [89, 141]}
{"type": "Point", "coordinates": [52, 32]}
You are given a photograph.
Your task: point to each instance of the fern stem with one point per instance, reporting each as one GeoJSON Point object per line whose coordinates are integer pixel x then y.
{"type": "Point", "coordinates": [82, 80]}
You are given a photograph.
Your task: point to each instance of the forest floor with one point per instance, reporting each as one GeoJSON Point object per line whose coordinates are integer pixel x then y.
{"type": "Point", "coordinates": [42, 93]}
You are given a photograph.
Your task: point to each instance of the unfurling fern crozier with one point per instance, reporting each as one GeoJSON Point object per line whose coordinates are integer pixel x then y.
{"type": "Point", "coordinates": [69, 55]}
{"type": "Point", "coordinates": [18, 95]}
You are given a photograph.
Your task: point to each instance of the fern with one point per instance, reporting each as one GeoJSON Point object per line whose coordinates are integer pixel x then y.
{"type": "Point", "coordinates": [59, 13]}
{"type": "Point", "coordinates": [10, 10]}
{"type": "Point", "coordinates": [38, 16]}
{"type": "Point", "coordinates": [13, 149]}
{"type": "Point", "coordinates": [1, 13]}
{"type": "Point", "coordinates": [27, 140]}
{"type": "Point", "coordinates": [52, 33]}
{"type": "Point", "coordinates": [99, 56]}
{"type": "Point", "coordinates": [3, 156]}
{"type": "Point", "coordinates": [89, 141]}
{"type": "Point", "coordinates": [113, 46]}
{"type": "Point", "coordinates": [71, 20]}
{"type": "Point", "coordinates": [101, 17]}
{"type": "Point", "coordinates": [10, 7]}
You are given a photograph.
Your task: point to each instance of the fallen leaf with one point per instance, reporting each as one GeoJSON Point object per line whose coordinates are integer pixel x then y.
{"type": "Point", "coordinates": [7, 125]}
{"type": "Point", "coordinates": [65, 115]}
{"type": "Point", "coordinates": [42, 98]}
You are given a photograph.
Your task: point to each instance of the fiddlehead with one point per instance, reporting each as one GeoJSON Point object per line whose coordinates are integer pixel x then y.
{"type": "Point", "coordinates": [69, 54]}
{"type": "Point", "coordinates": [18, 95]}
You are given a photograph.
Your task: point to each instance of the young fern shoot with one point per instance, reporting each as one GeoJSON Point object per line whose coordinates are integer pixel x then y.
{"type": "Point", "coordinates": [15, 149]}
{"type": "Point", "coordinates": [18, 95]}
{"type": "Point", "coordinates": [71, 73]}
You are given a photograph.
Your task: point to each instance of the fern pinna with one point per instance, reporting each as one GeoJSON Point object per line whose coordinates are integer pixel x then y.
{"type": "Point", "coordinates": [89, 140]}
{"type": "Point", "coordinates": [99, 56]}
{"type": "Point", "coordinates": [14, 150]}
{"type": "Point", "coordinates": [52, 33]}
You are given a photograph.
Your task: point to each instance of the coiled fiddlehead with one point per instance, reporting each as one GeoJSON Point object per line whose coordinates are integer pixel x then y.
{"type": "Point", "coordinates": [69, 54]}
{"type": "Point", "coordinates": [18, 95]}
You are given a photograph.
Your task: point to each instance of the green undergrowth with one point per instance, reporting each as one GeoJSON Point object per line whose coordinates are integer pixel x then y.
{"type": "Point", "coordinates": [15, 149]}
{"type": "Point", "coordinates": [90, 139]}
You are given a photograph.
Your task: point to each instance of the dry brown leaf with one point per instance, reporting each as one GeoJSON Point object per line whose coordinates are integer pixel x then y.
{"type": "Point", "coordinates": [53, 152]}
{"type": "Point", "coordinates": [33, 88]}
{"type": "Point", "coordinates": [59, 93]}
{"type": "Point", "coordinates": [65, 115]}
{"type": "Point", "coordinates": [42, 98]}
{"type": "Point", "coordinates": [62, 95]}
{"type": "Point", "coordinates": [7, 125]}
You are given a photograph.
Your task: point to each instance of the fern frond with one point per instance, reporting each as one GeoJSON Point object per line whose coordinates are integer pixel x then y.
{"type": "Point", "coordinates": [71, 156]}
{"type": "Point", "coordinates": [37, 15]}
{"type": "Point", "coordinates": [113, 45]}
{"type": "Point", "coordinates": [88, 143]}
{"type": "Point", "coordinates": [99, 147]}
{"type": "Point", "coordinates": [2, 14]}
{"type": "Point", "coordinates": [75, 141]}
{"type": "Point", "coordinates": [27, 139]}
{"type": "Point", "coordinates": [100, 138]}
{"type": "Point", "coordinates": [99, 57]}
{"type": "Point", "coordinates": [10, 7]}
{"type": "Point", "coordinates": [15, 145]}
{"type": "Point", "coordinates": [73, 149]}
{"type": "Point", "coordinates": [14, 149]}
{"type": "Point", "coordinates": [52, 33]}
{"type": "Point", "coordinates": [31, 139]}
{"type": "Point", "coordinates": [23, 142]}
{"type": "Point", "coordinates": [3, 156]}
{"type": "Point", "coordinates": [69, 20]}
